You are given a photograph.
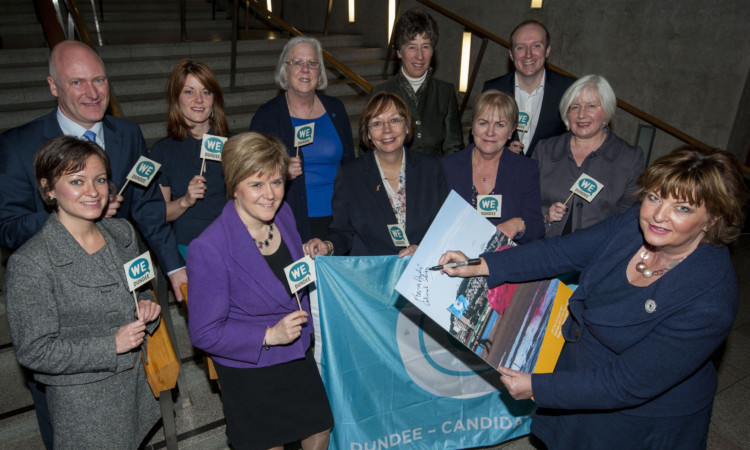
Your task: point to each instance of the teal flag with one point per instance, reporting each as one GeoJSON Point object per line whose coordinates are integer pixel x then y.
{"type": "Point", "coordinates": [394, 378]}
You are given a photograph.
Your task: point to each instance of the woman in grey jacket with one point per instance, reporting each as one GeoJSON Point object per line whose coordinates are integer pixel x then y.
{"type": "Point", "coordinates": [590, 148]}
{"type": "Point", "coordinates": [72, 319]}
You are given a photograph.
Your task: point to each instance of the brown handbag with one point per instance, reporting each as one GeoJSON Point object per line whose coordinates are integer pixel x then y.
{"type": "Point", "coordinates": [161, 363]}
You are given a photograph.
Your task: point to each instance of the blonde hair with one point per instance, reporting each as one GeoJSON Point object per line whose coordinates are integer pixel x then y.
{"type": "Point", "coordinates": [251, 153]}
{"type": "Point", "coordinates": [494, 100]}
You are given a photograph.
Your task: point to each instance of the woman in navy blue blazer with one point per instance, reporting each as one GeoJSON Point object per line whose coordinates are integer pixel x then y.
{"type": "Point", "coordinates": [300, 73]}
{"type": "Point", "coordinates": [657, 297]}
{"type": "Point", "coordinates": [388, 192]}
{"type": "Point", "coordinates": [193, 188]}
{"type": "Point", "coordinates": [488, 167]}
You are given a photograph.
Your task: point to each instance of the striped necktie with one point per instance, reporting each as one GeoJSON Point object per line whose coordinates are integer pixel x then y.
{"type": "Point", "coordinates": [90, 135]}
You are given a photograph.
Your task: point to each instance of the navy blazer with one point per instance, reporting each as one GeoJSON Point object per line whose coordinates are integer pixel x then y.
{"type": "Point", "coordinates": [273, 118]}
{"type": "Point", "coordinates": [517, 181]}
{"type": "Point", "coordinates": [235, 296]}
{"type": "Point", "coordinates": [22, 212]}
{"type": "Point", "coordinates": [648, 355]}
{"type": "Point", "coordinates": [362, 210]}
{"type": "Point", "coordinates": [180, 162]}
{"type": "Point", "coordinates": [549, 122]}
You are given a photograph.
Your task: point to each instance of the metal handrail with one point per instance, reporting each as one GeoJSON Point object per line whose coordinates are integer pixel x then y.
{"type": "Point", "coordinates": [487, 35]}
{"type": "Point", "coordinates": [327, 56]}
{"type": "Point", "coordinates": [54, 31]}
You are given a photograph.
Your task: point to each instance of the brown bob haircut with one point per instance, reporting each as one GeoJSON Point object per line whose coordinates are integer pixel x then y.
{"type": "Point", "coordinates": [376, 106]}
{"type": "Point", "coordinates": [177, 127]}
{"type": "Point", "coordinates": [251, 153]}
{"type": "Point", "coordinates": [701, 177]}
{"type": "Point", "coordinates": [60, 156]}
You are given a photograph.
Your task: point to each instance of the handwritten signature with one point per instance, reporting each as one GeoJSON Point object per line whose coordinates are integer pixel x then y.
{"type": "Point", "coordinates": [421, 292]}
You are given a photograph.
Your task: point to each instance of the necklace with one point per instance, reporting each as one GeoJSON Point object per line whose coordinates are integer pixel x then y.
{"type": "Point", "coordinates": [265, 243]}
{"type": "Point", "coordinates": [476, 166]}
{"type": "Point", "coordinates": [294, 113]}
{"type": "Point", "coordinates": [641, 266]}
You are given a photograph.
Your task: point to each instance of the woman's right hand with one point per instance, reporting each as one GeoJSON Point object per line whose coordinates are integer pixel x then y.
{"type": "Point", "coordinates": [295, 168]}
{"type": "Point", "coordinates": [130, 336]}
{"type": "Point", "coordinates": [287, 329]}
{"type": "Point", "coordinates": [556, 212]}
{"type": "Point", "coordinates": [516, 147]}
{"type": "Point", "coordinates": [480, 270]}
{"type": "Point", "coordinates": [196, 190]}
{"type": "Point", "coordinates": [317, 247]}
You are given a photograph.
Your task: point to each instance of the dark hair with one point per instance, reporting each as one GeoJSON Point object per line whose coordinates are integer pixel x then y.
{"type": "Point", "coordinates": [250, 153]}
{"type": "Point", "coordinates": [60, 156]}
{"type": "Point", "coordinates": [701, 177]}
{"type": "Point", "coordinates": [177, 127]}
{"type": "Point", "coordinates": [527, 22]}
{"type": "Point", "coordinates": [375, 106]}
{"type": "Point", "coordinates": [413, 23]}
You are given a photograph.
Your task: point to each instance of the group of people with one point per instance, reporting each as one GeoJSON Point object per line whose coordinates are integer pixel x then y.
{"type": "Point", "coordinates": [657, 292]}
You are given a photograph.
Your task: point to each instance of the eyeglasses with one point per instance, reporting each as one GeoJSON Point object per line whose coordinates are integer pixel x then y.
{"type": "Point", "coordinates": [588, 107]}
{"type": "Point", "coordinates": [396, 122]}
{"type": "Point", "coordinates": [298, 64]}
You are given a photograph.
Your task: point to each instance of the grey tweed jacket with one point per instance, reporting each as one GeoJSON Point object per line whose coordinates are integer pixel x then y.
{"type": "Point", "coordinates": [64, 308]}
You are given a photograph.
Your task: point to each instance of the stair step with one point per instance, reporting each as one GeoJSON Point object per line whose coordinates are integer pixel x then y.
{"type": "Point", "coordinates": [21, 57]}
{"type": "Point", "coordinates": [159, 65]}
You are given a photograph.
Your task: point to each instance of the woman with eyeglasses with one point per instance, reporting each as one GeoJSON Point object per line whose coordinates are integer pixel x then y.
{"type": "Point", "coordinates": [388, 191]}
{"type": "Point", "coordinates": [589, 147]}
{"type": "Point", "coordinates": [299, 73]}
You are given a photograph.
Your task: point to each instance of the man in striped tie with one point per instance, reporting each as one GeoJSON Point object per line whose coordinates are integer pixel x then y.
{"type": "Point", "coordinates": [79, 81]}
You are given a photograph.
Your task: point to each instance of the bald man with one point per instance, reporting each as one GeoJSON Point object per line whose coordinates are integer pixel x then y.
{"type": "Point", "coordinates": [78, 79]}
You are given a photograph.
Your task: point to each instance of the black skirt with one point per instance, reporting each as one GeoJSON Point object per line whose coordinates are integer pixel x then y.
{"type": "Point", "coordinates": [272, 406]}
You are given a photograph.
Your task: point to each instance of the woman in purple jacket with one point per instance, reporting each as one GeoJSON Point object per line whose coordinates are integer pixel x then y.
{"type": "Point", "coordinates": [242, 312]}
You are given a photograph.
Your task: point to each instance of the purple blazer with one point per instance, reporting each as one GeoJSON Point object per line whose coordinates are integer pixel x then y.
{"type": "Point", "coordinates": [517, 181]}
{"type": "Point", "coordinates": [234, 295]}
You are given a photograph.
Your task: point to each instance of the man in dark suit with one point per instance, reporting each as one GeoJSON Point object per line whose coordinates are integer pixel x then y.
{"type": "Point", "coordinates": [537, 91]}
{"type": "Point", "coordinates": [78, 79]}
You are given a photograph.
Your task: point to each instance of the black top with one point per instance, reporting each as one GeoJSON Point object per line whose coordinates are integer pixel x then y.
{"type": "Point", "coordinates": [180, 162]}
{"type": "Point", "coordinates": [277, 261]}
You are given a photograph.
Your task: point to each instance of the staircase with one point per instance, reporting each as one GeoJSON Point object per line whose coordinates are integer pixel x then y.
{"type": "Point", "coordinates": [138, 72]}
